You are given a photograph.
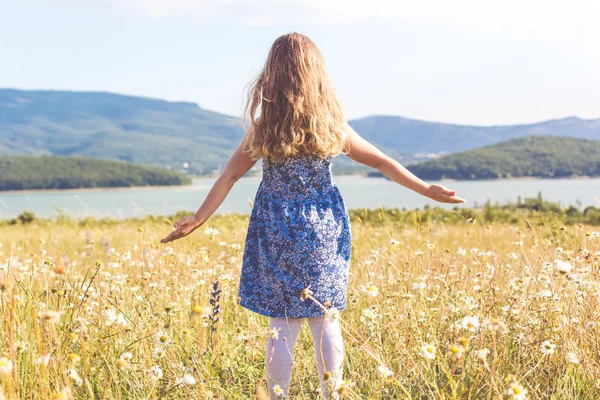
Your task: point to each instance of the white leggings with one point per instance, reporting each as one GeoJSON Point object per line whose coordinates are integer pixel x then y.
{"type": "Point", "coordinates": [329, 352]}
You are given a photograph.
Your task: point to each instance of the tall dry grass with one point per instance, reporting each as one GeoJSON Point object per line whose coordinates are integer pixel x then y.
{"type": "Point", "coordinates": [444, 311]}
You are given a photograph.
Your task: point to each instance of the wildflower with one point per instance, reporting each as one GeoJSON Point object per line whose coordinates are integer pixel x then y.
{"type": "Point", "coordinates": [112, 317]}
{"type": "Point", "coordinates": [159, 351]}
{"type": "Point", "coordinates": [368, 316]}
{"type": "Point", "coordinates": [278, 391]}
{"type": "Point", "coordinates": [201, 311]}
{"type": "Point", "coordinates": [563, 267]}
{"type": "Point", "coordinates": [417, 286]}
{"type": "Point", "coordinates": [370, 290]}
{"type": "Point", "coordinates": [464, 342]}
{"type": "Point", "coordinates": [77, 381]}
{"type": "Point", "coordinates": [430, 245]}
{"type": "Point", "coordinates": [211, 232]}
{"type": "Point", "coordinates": [306, 293]}
{"type": "Point", "coordinates": [418, 253]}
{"type": "Point", "coordinates": [20, 346]}
{"type": "Point", "coordinates": [495, 324]}
{"type": "Point", "coordinates": [482, 354]}
{"type": "Point", "coordinates": [547, 347]}
{"type": "Point", "coordinates": [156, 372]}
{"type": "Point", "coordinates": [384, 371]}
{"type": "Point", "coordinates": [470, 322]}
{"type": "Point", "coordinates": [274, 333]}
{"type": "Point", "coordinates": [343, 389]}
{"type": "Point", "coordinates": [42, 360]}
{"type": "Point", "coordinates": [187, 379]}
{"type": "Point", "coordinates": [394, 242]}
{"type": "Point", "coordinates": [516, 391]}
{"type": "Point", "coordinates": [127, 356]}
{"type": "Point", "coordinates": [332, 314]}
{"type": "Point", "coordinates": [428, 351]}
{"type": "Point", "coordinates": [6, 366]}
{"type": "Point", "coordinates": [572, 358]}
{"type": "Point", "coordinates": [456, 352]}
{"type": "Point", "coordinates": [461, 252]}
{"type": "Point", "coordinates": [73, 358]}
{"type": "Point", "coordinates": [162, 338]}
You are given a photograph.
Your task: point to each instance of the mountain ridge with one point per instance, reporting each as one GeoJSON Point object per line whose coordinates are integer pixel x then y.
{"type": "Point", "coordinates": [166, 133]}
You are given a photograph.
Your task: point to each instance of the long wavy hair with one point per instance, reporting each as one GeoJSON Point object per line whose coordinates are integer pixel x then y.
{"type": "Point", "coordinates": [292, 107]}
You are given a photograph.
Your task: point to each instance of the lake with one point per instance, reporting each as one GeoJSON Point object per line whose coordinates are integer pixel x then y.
{"type": "Point", "coordinates": [358, 192]}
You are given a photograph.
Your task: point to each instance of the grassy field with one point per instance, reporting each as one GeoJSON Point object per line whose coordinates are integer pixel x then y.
{"type": "Point", "coordinates": [437, 310]}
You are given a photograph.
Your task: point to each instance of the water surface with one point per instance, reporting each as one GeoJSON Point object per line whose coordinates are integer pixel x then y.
{"type": "Point", "coordinates": [358, 192]}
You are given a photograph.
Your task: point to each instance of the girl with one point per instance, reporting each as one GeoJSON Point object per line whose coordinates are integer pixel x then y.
{"type": "Point", "coordinates": [297, 252]}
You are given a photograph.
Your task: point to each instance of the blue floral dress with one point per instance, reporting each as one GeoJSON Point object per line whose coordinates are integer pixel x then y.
{"type": "Point", "coordinates": [298, 237]}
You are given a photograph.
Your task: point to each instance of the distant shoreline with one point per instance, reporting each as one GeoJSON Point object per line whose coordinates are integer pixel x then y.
{"type": "Point", "coordinates": [516, 178]}
{"type": "Point", "coordinates": [161, 187]}
{"type": "Point", "coordinates": [94, 189]}
{"type": "Point", "coordinates": [522, 178]}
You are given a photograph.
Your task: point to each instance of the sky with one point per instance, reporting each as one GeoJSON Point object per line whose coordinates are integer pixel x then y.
{"type": "Point", "coordinates": [463, 61]}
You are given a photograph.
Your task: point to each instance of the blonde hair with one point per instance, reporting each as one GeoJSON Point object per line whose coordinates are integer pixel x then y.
{"type": "Point", "coordinates": [292, 107]}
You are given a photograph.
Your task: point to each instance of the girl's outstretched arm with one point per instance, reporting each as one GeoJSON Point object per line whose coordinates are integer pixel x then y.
{"type": "Point", "coordinates": [364, 152]}
{"type": "Point", "coordinates": [236, 167]}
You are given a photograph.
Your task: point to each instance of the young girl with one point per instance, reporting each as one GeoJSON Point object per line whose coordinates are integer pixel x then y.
{"type": "Point", "coordinates": [297, 253]}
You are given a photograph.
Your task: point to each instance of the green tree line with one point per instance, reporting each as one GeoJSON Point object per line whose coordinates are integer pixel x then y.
{"type": "Point", "coordinates": [55, 172]}
{"type": "Point", "coordinates": [535, 156]}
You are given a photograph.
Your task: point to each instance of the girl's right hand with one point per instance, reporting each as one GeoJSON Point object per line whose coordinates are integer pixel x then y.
{"type": "Point", "coordinates": [183, 227]}
{"type": "Point", "coordinates": [443, 194]}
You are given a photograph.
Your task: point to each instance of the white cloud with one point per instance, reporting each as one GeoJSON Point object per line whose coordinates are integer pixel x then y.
{"type": "Point", "coordinates": [537, 18]}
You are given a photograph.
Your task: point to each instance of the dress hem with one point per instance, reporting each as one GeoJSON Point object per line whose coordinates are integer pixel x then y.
{"type": "Point", "coordinates": [274, 315]}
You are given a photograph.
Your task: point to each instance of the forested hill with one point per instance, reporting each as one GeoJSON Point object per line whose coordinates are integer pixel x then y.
{"type": "Point", "coordinates": [536, 156]}
{"type": "Point", "coordinates": [417, 140]}
{"type": "Point", "coordinates": [54, 172]}
{"type": "Point", "coordinates": [168, 134]}
{"type": "Point", "coordinates": [112, 126]}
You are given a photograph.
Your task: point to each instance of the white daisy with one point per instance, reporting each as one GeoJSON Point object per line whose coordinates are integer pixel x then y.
{"type": "Point", "coordinates": [156, 372]}
{"type": "Point", "coordinates": [470, 322]}
{"type": "Point", "coordinates": [370, 290]}
{"type": "Point", "coordinates": [384, 371]}
{"type": "Point", "coordinates": [547, 347]}
{"type": "Point", "coordinates": [428, 351]}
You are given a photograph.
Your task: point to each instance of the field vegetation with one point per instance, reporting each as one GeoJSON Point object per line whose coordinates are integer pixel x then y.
{"type": "Point", "coordinates": [442, 304]}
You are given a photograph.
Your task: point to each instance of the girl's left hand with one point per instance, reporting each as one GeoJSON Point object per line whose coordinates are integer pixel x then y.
{"type": "Point", "coordinates": [183, 227]}
{"type": "Point", "coordinates": [443, 194]}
